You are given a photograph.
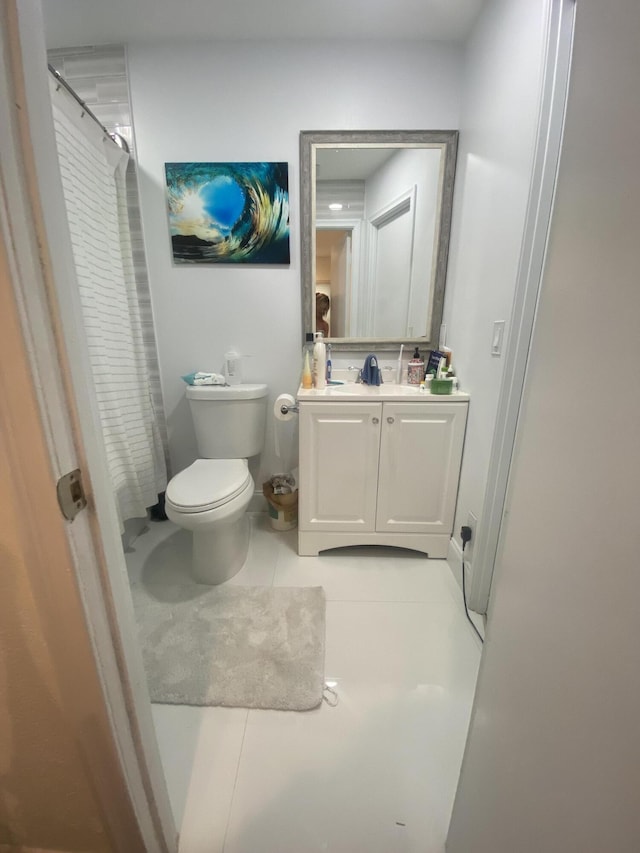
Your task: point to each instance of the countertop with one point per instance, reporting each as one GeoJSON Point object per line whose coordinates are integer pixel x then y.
{"type": "Point", "coordinates": [354, 392]}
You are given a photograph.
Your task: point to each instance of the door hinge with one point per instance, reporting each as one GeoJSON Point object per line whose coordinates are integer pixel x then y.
{"type": "Point", "coordinates": [71, 496]}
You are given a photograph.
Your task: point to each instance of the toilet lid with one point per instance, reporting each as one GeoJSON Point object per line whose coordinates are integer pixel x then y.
{"type": "Point", "coordinates": [208, 483]}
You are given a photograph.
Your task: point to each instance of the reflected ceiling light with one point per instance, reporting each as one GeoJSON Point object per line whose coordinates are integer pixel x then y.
{"type": "Point", "coordinates": [335, 206]}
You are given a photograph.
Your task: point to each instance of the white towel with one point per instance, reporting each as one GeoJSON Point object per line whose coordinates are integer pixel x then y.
{"type": "Point", "coordinates": [209, 379]}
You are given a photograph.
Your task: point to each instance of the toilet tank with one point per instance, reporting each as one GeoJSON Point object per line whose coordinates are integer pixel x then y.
{"type": "Point", "coordinates": [229, 420]}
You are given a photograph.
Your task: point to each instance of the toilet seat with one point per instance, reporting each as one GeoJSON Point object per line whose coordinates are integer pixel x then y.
{"type": "Point", "coordinates": [207, 484]}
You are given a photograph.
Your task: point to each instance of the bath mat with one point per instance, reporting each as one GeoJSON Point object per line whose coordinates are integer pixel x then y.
{"type": "Point", "coordinates": [237, 646]}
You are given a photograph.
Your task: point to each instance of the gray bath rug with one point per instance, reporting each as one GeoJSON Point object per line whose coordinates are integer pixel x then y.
{"type": "Point", "coordinates": [237, 646]}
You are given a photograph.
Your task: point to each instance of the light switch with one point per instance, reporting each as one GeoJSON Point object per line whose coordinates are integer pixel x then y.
{"type": "Point", "coordinates": [498, 335]}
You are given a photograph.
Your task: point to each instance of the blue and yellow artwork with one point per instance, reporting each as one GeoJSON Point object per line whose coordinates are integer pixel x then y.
{"type": "Point", "coordinates": [229, 213]}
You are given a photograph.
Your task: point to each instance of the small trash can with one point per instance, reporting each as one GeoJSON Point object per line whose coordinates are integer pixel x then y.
{"type": "Point", "coordinates": [283, 507]}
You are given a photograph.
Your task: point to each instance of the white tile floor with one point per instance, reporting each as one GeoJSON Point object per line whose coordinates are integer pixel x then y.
{"type": "Point", "coordinates": [378, 772]}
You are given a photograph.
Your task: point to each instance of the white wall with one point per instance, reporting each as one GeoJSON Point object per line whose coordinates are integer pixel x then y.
{"type": "Point", "coordinates": [499, 117]}
{"type": "Point", "coordinates": [553, 758]}
{"type": "Point", "coordinates": [249, 101]}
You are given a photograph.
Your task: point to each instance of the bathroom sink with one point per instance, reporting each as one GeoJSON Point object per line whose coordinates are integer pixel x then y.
{"type": "Point", "coordinates": [389, 391]}
{"type": "Point", "coordinates": [353, 388]}
{"type": "Point", "coordinates": [375, 390]}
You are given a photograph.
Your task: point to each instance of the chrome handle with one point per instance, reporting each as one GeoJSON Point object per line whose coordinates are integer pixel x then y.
{"type": "Point", "coordinates": [375, 420]}
{"type": "Point", "coordinates": [285, 409]}
{"type": "Point", "coordinates": [389, 420]}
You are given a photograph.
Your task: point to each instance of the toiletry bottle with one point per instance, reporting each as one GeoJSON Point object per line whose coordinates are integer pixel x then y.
{"type": "Point", "coordinates": [415, 373]}
{"type": "Point", "coordinates": [232, 368]}
{"type": "Point", "coordinates": [307, 379]}
{"type": "Point", "coordinates": [328, 362]}
{"type": "Point", "coordinates": [319, 362]}
{"type": "Point", "coordinates": [399, 370]}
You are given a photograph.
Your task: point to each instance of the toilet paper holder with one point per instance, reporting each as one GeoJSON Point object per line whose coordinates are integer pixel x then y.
{"type": "Point", "coordinates": [285, 407]}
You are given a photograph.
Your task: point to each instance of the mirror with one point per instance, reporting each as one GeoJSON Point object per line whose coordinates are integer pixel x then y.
{"type": "Point", "coordinates": [375, 225]}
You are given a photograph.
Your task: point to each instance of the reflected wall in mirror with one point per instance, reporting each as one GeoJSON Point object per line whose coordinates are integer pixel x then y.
{"type": "Point", "coordinates": [375, 225]}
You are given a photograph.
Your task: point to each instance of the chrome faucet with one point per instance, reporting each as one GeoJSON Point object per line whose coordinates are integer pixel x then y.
{"type": "Point", "coordinates": [359, 369]}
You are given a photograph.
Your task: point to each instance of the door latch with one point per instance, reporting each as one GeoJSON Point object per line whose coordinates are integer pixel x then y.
{"type": "Point", "coordinates": [71, 496]}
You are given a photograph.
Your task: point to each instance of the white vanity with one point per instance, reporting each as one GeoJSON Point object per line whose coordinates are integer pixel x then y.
{"type": "Point", "coordinates": [379, 466]}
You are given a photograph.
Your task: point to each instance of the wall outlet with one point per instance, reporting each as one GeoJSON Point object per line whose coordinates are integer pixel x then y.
{"type": "Point", "coordinates": [472, 522]}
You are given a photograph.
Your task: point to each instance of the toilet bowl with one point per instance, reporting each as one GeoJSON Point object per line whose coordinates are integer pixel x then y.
{"type": "Point", "coordinates": [211, 497]}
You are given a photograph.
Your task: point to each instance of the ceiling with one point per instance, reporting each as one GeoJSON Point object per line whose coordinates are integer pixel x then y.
{"type": "Point", "coordinates": [328, 239]}
{"type": "Point", "coordinates": [77, 22]}
{"type": "Point", "coordinates": [350, 164]}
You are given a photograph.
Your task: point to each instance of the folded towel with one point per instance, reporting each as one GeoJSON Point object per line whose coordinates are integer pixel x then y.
{"type": "Point", "coordinates": [371, 371]}
{"type": "Point", "coordinates": [201, 378]}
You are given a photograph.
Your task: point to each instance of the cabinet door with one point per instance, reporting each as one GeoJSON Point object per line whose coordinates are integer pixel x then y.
{"type": "Point", "coordinates": [420, 456]}
{"type": "Point", "coordinates": [339, 451]}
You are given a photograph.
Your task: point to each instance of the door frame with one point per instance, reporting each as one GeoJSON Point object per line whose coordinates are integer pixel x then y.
{"type": "Point", "coordinates": [355, 227]}
{"type": "Point", "coordinates": [35, 235]}
{"type": "Point", "coordinates": [555, 88]}
{"type": "Point", "coordinates": [401, 204]}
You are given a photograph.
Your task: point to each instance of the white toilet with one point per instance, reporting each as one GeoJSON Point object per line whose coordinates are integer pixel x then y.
{"type": "Point", "coordinates": [211, 496]}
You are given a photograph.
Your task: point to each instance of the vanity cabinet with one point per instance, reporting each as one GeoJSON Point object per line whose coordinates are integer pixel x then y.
{"type": "Point", "coordinates": [379, 473]}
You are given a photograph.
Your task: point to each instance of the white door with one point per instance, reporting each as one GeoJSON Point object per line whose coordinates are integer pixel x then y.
{"type": "Point", "coordinates": [391, 269]}
{"type": "Point", "coordinates": [339, 447]}
{"type": "Point", "coordinates": [34, 231]}
{"type": "Point", "coordinates": [420, 455]}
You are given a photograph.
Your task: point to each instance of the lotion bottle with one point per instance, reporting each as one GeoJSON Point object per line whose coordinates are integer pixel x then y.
{"type": "Point", "coordinates": [319, 362]}
{"type": "Point", "coordinates": [307, 380]}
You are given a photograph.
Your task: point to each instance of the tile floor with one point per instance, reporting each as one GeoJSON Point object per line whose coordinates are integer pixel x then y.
{"type": "Point", "coordinates": [376, 773]}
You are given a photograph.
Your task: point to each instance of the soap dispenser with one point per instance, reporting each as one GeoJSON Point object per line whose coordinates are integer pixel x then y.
{"type": "Point", "coordinates": [415, 369]}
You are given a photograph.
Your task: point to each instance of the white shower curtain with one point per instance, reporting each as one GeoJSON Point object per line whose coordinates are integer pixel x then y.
{"type": "Point", "coordinates": [93, 179]}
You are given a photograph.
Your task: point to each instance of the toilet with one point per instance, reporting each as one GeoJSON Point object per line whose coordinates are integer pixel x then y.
{"type": "Point", "coordinates": [211, 496]}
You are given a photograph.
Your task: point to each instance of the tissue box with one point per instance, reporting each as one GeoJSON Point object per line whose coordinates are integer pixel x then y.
{"type": "Point", "coordinates": [441, 386]}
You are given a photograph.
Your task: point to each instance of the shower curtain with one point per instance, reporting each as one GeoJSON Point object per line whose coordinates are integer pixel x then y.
{"type": "Point", "coordinates": [93, 179]}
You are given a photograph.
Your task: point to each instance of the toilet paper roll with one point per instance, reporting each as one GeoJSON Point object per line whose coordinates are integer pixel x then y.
{"type": "Point", "coordinates": [284, 400]}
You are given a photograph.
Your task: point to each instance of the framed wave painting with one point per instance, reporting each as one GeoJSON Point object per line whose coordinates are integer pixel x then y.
{"type": "Point", "coordinates": [229, 213]}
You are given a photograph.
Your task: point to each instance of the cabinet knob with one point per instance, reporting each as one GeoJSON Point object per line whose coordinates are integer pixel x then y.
{"type": "Point", "coordinates": [389, 420]}
{"type": "Point", "coordinates": [375, 420]}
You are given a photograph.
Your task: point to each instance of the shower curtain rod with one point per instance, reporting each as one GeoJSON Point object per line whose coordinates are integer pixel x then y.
{"type": "Point", "coordinates": [119, 140]}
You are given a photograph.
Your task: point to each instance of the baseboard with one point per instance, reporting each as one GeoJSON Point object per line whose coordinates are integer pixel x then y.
{"type": "Point", "coordinates": [455, 551]}
{"type": "Point", "coordinates": [258, 502]}
{"type": "Point", "coordinates": [454, 560]}
{"type": "Point", "coordinates": [133, 527]}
